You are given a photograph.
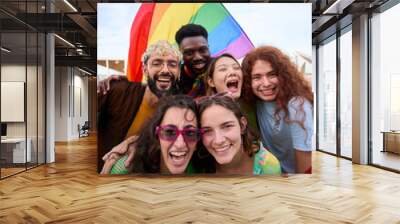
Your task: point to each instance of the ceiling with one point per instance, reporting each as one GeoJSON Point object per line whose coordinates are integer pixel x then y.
{"type": "Point", "coordinates": [75, 21]}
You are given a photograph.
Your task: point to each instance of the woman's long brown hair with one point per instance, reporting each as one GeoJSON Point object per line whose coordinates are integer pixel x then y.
{"type": "Point", "coordinates": [292, 83]}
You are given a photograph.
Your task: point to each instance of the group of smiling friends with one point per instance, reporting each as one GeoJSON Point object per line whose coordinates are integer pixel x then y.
{"type": "Point", "coordinates": [198, 114]}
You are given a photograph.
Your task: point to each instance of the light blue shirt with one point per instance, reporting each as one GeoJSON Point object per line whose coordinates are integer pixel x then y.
{"type": "Point", "coordinates": [282, 137]}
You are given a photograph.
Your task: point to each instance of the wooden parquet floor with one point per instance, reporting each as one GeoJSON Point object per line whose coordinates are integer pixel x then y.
{"type": "Point", "coordinates": [70, 191]}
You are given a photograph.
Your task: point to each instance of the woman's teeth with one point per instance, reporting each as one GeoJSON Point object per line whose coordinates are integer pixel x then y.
{"type": "Point", "coordinates": [222, 149]}
{"type": "Point", "coordinates": [174, 153]}
{"type": "Point", "coordinates": [233, 86]}
{"type": "Point", "coordinates": [177, 156]}
{"type": "Point", "coordinates": [268, 91]}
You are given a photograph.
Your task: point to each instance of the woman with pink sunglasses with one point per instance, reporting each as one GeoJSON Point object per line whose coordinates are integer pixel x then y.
{"type": "Point", "coordinates": [166, 144]}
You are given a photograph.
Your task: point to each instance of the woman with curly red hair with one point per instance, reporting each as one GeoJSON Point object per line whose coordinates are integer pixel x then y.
{"type": "Point", "coordinates": [284, 106]}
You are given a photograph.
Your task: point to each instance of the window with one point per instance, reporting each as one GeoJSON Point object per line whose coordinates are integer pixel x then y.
{"type": "Point", "coordinates": [346, 94]}
{"type": "Point", "coordinates": [327, 96]}
{"type": "Point", "coordinates": [385, 88]}
{"type": "Point", "coordinates": [22, 66]}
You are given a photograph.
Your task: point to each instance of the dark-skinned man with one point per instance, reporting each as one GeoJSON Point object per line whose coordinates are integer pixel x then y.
{"type": "Point", "coordinates": [193, 44]}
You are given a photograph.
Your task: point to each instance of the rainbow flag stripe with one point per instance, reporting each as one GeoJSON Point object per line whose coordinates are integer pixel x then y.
{"type": "Point", "coordinates": [160, 21]}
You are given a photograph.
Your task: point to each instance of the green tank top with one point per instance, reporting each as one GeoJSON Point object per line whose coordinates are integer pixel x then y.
{"type": "Point", "coordinates": [266, 163]}
{"type": "Point", "coordinates": [119, 167]}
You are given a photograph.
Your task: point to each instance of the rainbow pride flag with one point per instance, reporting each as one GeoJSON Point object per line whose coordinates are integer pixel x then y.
{"type": "Point", "coordinates": [160, 21]}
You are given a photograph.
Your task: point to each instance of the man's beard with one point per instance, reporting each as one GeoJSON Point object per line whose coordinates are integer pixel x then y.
{"type": "Point", "coordinates": [152, 83]}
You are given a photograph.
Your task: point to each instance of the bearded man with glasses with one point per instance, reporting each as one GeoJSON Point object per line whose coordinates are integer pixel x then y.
{"type": "Point", "coordinates": [128, 105]}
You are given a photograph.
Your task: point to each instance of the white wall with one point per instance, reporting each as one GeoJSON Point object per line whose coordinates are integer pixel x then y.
{"type": "Point", "coordinates": [61, 103]}
{"type": "Point", "coordinates": [80, 110]}
{"type": "Point", "coordinates": [12, 73]}
{"type": "Point", "coordinates": [71, 102]}
{"type": "Point", "coordinates": [33, 127]}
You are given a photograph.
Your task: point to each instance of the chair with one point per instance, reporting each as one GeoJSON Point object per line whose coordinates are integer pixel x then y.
{"type": "Point", "coordinates": [84, 130]}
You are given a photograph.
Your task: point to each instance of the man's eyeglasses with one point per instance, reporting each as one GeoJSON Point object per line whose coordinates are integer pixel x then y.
{"type": "Point", "coordinates": [171, 133]}
{"type": "Point", "coordinates": [159, 64]}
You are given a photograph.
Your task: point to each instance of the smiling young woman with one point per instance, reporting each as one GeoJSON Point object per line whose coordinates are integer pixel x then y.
{"type": "Point", "coordinates": [224, 76]}
{"type": "Point", "coordinates": [166, 143]}
{"type": "Point", "coordinates": [284, 106]}
{"type": "Point", "coordinates": [227, 138]}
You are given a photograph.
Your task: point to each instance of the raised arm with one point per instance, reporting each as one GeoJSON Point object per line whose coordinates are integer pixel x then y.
{"type": "Point", "coordinates": [125, 147]}
{"type": "Point", "coordinates": [103, 86]}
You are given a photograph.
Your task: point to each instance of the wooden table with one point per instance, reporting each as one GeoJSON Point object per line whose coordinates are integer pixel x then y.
{"type": "Point", "coordinates": [391, 141]}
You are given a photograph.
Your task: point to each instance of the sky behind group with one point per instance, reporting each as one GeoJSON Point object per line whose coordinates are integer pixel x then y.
{"type": "Point", "coordinates": [286, 26]}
